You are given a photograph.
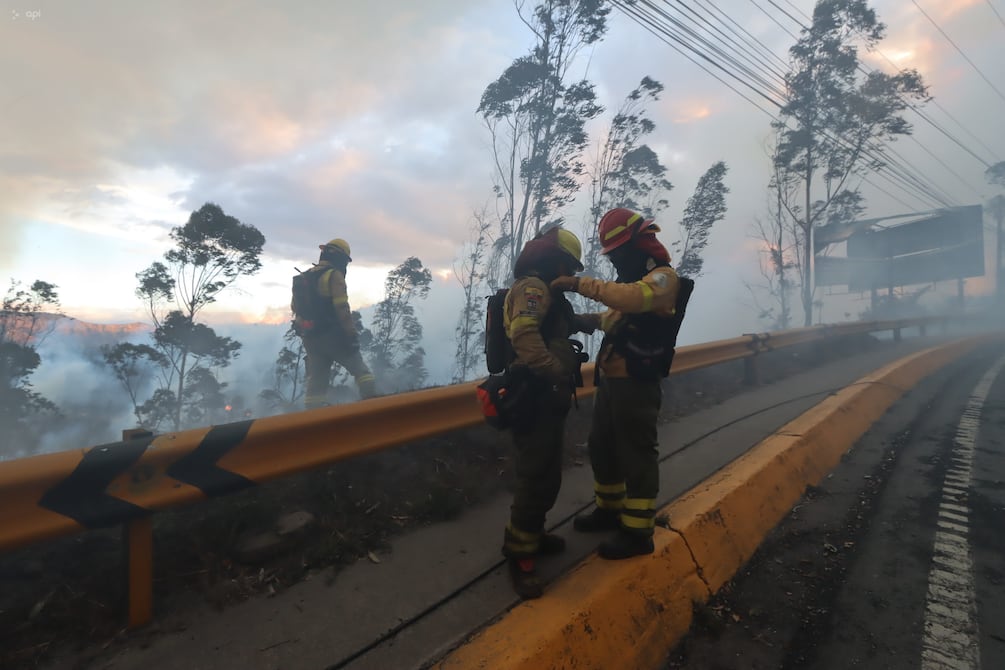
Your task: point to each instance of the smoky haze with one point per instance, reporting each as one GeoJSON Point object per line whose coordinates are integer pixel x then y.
{"type": "Point", "coordinates": [97, 410]}
{"type": "Point", "coordinates": [358, 121]}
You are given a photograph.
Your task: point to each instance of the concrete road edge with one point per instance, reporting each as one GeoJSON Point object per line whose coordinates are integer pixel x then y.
{"type": "Point", "coordinates": [628, 614]}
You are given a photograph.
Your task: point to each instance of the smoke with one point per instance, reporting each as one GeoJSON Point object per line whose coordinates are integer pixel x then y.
{"type": "Point", "coordinates": [252, 371]}
{"type": "Point", "coordinates": [93, 406]}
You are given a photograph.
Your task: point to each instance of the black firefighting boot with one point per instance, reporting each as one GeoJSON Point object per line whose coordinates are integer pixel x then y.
{"type": "Point", "coordinates": [524, 578]}
{"type": "Point", "coordinates": [625, 545]}
{"type": "Point", "coordinates": [598, 520]}
{"type": "Point", "coordinates": [550, 544]}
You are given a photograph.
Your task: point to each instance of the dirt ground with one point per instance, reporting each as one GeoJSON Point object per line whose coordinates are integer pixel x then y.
{"type": "Point", "coordinates": [773, 612]}
{"type": "Point", "coordinates": [68, 593]}
{"type": "Point", "coordinates": [783, 605]}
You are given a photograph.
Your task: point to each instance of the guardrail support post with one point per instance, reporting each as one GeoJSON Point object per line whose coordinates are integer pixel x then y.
{"type": "Point", "coordinates": [138, 557]}
{"type": "Point", "coordinates": [138, 540]}
{"type": "Point", "coordinates": [750, 373]}
{"type": "Point", "coordinates": [896, 334]}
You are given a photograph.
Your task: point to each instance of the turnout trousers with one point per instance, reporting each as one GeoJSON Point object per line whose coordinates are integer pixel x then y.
{"type": "Point", "coordinates": [623, 447]}
{"type": "Point", "coordinates": [538, 468]}
{"type": "Point", "coordinates": [323, 350]}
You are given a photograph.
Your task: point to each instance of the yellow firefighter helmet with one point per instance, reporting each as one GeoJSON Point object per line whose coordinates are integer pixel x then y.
{"type": "Point", "coordinates": [338, 244]}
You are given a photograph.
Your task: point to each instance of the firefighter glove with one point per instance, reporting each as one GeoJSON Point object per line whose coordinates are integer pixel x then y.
{"type": "Point", "coordinates": [566, 284]}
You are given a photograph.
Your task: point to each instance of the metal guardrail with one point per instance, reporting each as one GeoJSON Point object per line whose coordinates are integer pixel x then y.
{"type": "Point", "coordinates": [50, 495]}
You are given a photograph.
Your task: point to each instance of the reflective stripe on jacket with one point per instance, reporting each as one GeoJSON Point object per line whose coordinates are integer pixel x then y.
{"type": "Point", "coordinates": [656, 292]}
{"type": "Point", "coordinates": [548, 354]}
{"type": "Point", "coordinates": [331, 284]}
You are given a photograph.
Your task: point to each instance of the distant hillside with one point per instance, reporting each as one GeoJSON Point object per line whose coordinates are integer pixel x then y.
{"type": "Point", "coordinates": [71, 326]}
{"type": "Point", "coordinates": [89, 334]}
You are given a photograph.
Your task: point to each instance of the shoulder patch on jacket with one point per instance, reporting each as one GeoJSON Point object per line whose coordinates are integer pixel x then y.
{"type": "Point", "coordinates": [533, 296]}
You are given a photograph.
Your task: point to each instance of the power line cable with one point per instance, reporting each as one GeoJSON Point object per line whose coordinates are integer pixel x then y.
{"type": "Point", "coordinates": [738, 38]}
{"type": "Point", "coordinates": [914, 107]}
{"type": "Point", "coordinates": [794, 19]}
{"type": "Point", "coordinates": [944, 197]}
{"type": "Point", "coordinates": [753, 74]}
{"type": "Point", "coordinates": [958, 49]}
{"type": "Point", "coordinates": [917, 110]}
{"type": "Point", "coordinates": [741, 49]}
{"type": "Point", "coordinates": [750, 38]}
{"type": "Point", "coordinates": [924, 116]}
{"type": "Point", "coordinates": [894, 166]}
{"type": "Point", "coordinates": [943, 163]}
{"type": "Point", "coordinates": [990, 151]}
{"type": "Point", "coordinates": [993, 9]}
{"type": "Point", "coordinates": [772, 17]}
{"type": "Point", "coordinates": [894, 173]}
{"type": "Point", "coordinates": [798, 11]}
{"type": "Point", "coordinates": [945, 111]}
{"type": "Point", "coordinates": [887, 193]}
{"type": "Point", "coordinates": [681, 46]}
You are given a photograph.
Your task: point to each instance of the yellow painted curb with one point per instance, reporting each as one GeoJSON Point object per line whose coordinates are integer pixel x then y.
{"type": "Point", "coordinates": [628, 614]}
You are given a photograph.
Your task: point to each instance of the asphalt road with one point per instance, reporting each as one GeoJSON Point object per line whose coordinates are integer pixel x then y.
{"type": "Point", "coordinates": [896, 560]}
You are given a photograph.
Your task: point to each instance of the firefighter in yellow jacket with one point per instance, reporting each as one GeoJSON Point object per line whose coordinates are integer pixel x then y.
{"type": "Point", "coordinates": [323, 320]}
{"type": "Point", "coordinates": [538, 323]}
{"type": "Point", "coordinates": [640, 331]}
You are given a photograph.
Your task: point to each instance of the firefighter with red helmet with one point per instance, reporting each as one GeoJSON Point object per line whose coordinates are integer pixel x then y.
{"type": "Point", "coordinates": [538, 322]}
{"type": "Point", "coordinates": [640, 329]}
{"type": "Point", "coordinates": [323, 320]}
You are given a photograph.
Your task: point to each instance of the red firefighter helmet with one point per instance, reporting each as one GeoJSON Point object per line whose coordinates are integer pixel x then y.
{"type": "Point", "coordinates": [621, 225]}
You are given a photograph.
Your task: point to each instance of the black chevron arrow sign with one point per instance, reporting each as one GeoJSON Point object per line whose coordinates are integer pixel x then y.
{"type": "Point", "coordinates": [198, 468]}
{"type": "Point", "coordinates": [82, 497]}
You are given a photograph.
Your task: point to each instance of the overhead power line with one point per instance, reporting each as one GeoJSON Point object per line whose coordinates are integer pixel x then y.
{"type": "Point", "coordinates": [782, 10]}
{"type": "Point", "coordinates": [917, 110]}
{"type": "Point", "coordinates": [993, 9]}
{"type": "Point", "coordinates": [913, 107]}
{"type": "Point", "coordinates": [958, 49]}
{"type": "Point", "coordinates": [746, 73]}
{"type": "Point", "coordinates": [708, 22]}
{"type": "Point", "coordinates": [750, 39]}
{"type": "Point", "coordinates": [942, 130]}
{"type": "Point", "coordinates": [798, 11]}
{"type": "Point", "coordinates": [682, 47]}
{"type": "Point", "coordinates": [733, 59]}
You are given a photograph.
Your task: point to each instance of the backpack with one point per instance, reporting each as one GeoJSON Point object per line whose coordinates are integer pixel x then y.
{"type": "Point", "coordinates": [498, 349]}
{"type": "Point", "coordinates": [648, 341]}
{"type": "Point", "coordinates": [509, 396]}
{"type": "Point", "coordinates": [507, 400]}
{"type": "Point", "coordinates": [310, 308]}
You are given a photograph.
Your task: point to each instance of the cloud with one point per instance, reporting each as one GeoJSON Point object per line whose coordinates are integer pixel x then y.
{"type": "Point", "coordinates": [353, 120]}
{"type": "Point", "coordinates": [248, 99]}
{"type": "Point", "coordinates": [686, 112]}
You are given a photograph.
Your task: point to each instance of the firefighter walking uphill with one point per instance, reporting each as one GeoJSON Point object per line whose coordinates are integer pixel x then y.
{"type": "Point", "coordinates": [323, 320]}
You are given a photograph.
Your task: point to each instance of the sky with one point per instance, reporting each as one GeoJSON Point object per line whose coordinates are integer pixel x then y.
{"type": "Point", "coordinates": [316, 120]}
